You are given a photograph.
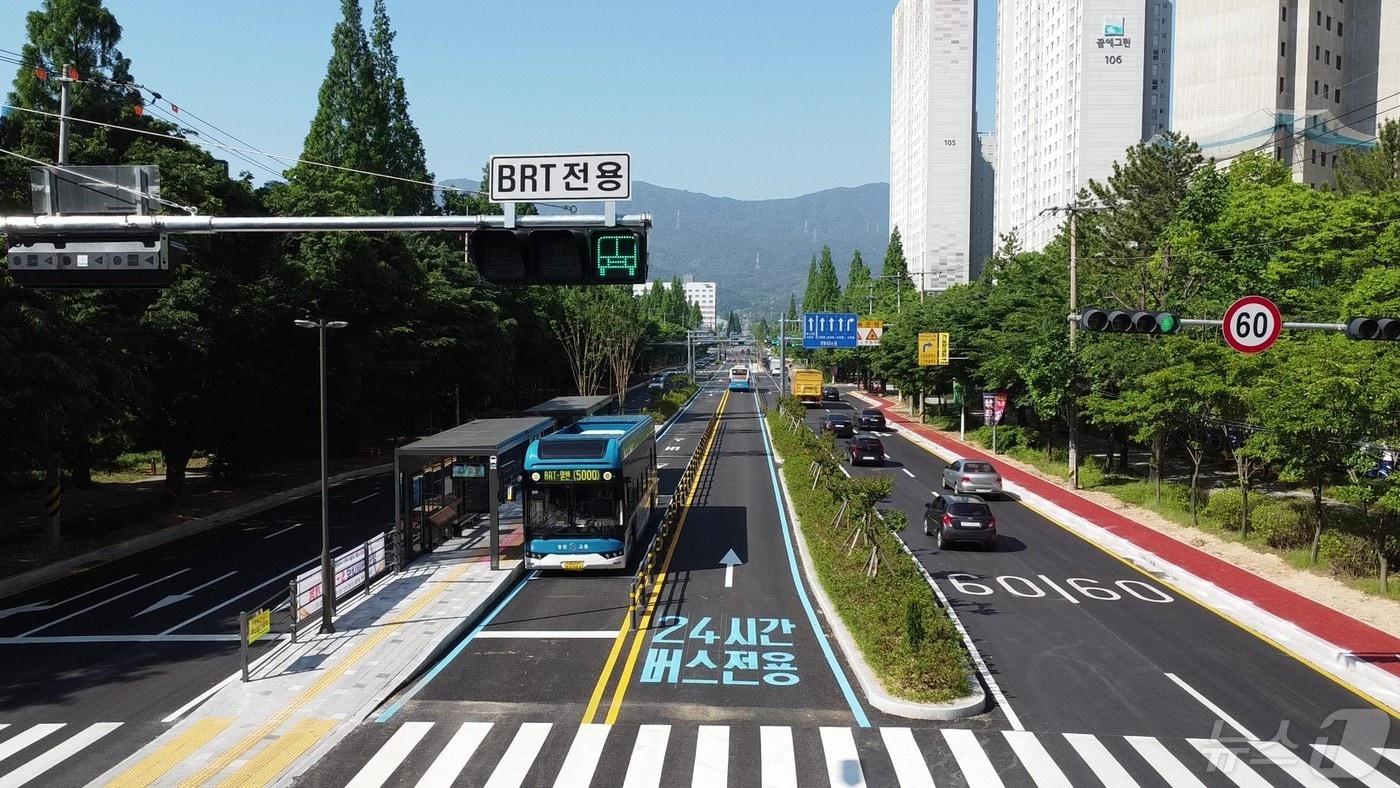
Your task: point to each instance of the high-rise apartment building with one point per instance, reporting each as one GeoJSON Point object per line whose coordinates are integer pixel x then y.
{"type": "Point", "coordinates": [1078, 83]}
{"type": "Point", "coordinates": [984, 180]}
{"type": "Point", "coordinates": [1300, 80]}
{"type": "Point", "coordinates": [932, 145]}
{"type": "Point", "coordinates": [702, 294]}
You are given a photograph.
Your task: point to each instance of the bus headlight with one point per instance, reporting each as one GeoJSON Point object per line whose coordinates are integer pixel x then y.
{"type": "Point", "coordinates": [534, 477]}
{"type": "Point", "coordinates": [607, 476]}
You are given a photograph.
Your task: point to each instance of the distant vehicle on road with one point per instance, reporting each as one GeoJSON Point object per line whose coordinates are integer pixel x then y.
{"type": "Point", "coordinates": [866, 449]}
{"type": "Point", "coordinates": [838, 424]}
{"type": "Point", "coordinates": [807, 386]}
{"type": "Point", "coordinates": [972, 476]}
{"type": "Point", "coordinates": [960, 518]}
{"type": "Point", "coordinates": [739, 379]}
{"type": "Point", "coordinates": [775, 365]}
{"type": "Point", "coordinates": [872, 419]}
{"type": "Point", "coordinates": [659, 383]}
{"type": "Point", "coordinates": [830, 393]}
{"type": "Point", "coordinates": [589, 491]}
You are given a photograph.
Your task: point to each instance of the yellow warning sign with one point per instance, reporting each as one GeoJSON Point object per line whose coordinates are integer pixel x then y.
{"type": "Point", "coordinates": [868, 332]}
{"type": "Point", "coordinates": [259, 624]}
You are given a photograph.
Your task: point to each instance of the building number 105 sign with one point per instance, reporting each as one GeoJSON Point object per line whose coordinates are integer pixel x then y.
{"type": "Point", "coordinates": [1252, 324]}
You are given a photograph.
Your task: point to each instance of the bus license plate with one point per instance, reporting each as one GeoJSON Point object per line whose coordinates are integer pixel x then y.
{"type": "Point", "coordinates": [572, 565]}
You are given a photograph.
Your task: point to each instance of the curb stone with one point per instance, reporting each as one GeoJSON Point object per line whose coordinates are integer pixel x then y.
{"type": "Point", "coordinates": [79, 563]}
{"type": "Point", "coordinates": [966, 706]}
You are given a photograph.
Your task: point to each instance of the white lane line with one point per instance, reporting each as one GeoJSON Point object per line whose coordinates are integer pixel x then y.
{"type": "Point", "coordinates": [105, 601]}
{"type": "Point", "coordinates": [907, 473]}
{"type": "Point", "coordinates": [520, 755]}
{"type": "Point", "coordinates": [843, 470]}
{"type": "Point", "coordinates": [973, 762]}
{"type": "Point", "coordinates": [27, 737]}
{"type": "Point", "coordinates": [910, 768]}
{"type": "Point", "coordinates": [1223, 759]}
{"type": "Point", "coordinates": [648, 754]}
{"type": "Point", "coordinates": [582, 759]}
{"type": "Point", "coordinates": [53, 757]}
{"type": "Point", "coordinates": [1164, 762]}
{"type": "Point", "coordinates": [49, 606]}
{"type": "Point", "coordinates": [842, 759]}
{"type": "Point", "coordinates": [1099, 759]}
{"type": "Point", "coordinates": [1219, 712]}
{"type": "Point", "coordinates": [711, 757]}
{"type": "Point", "coordinates": [231, 600]}
{"type": "Point", "coordinates": [662, 464]}
{"type": "Point", "coordinates": [381, 767]}
{"type": "Point", "coordinates": [1056, 586]}
{"type": "Point", "coordinates": [1357, 768]}
{"type": "Point", "coordinates": [779, 765]}
{"type": "Point", "coordinates": [176, 598]}
{"type": "Point", "coordinates": [362, 500]}
{"type": "Point", "coordinates": [1296, 767]}
{"type": "Point", "coordinates": [455, 755]}
{"type": "Point", "coordinates": [1037, 761]}
{"type": "Point", "coordinates": [284, 530]}
{"type": "Point", "coordinates": [551, 634]}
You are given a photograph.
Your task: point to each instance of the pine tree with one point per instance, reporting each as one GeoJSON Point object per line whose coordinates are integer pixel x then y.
{"type": "Point", "coordinates": [828, 285]}
{"type": "Point", "coordinates": [894, 264]}
{"type": "Point", "coordinates": [792, 307]}
{"type": "Point", "coordinates": [857, 286]}
{"type": "Point", "coordinates": [397, 139]}
{"type": "Point", "coordinates": [810, 295]}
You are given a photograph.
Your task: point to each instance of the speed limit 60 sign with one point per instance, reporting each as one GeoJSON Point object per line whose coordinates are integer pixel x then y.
{"type": "Point", "coordinates": [1252, 324]}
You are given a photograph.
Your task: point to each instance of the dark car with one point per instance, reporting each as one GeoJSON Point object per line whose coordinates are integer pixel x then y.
{"type": "Point", "coordinates": [866, 449]}
{"type": "Point", "coordinates": [960, 518]}
{"type": "Point", "coordinates": [872, 419]}
{"type": "Point", "coordinates": [838, 424]}
{"type": "Point", "coordinates": [830, 392]}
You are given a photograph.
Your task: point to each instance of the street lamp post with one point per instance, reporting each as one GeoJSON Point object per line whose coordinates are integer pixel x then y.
{"type": "Point", "coordinates": [327, 572]}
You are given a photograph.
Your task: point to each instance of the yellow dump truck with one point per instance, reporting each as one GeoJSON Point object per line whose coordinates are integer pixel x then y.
{"type": "Point", "coordinates": [807, 386]}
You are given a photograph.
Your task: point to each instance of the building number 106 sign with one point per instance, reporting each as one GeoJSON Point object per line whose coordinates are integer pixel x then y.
{"type": "Point", "coordinates": [1252, 324]}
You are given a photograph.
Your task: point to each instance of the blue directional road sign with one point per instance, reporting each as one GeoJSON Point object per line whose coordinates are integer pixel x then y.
{"type": "Point", "coordinates": [829, 329]}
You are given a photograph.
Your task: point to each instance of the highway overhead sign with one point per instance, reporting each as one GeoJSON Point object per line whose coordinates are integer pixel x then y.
{"type": "Point", "coordinates": [829, 329]}
{"type": "Point", "coordinates": [561, 176]}
{"type": "Point", "coordinates": [868, 332]}
{"type": "Point", "coordinates": [1252, 324]}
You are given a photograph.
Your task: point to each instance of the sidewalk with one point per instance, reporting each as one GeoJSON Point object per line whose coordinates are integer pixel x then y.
{"type": "Point", "coordinates": [1355, 644]}
{"type": "Point", "coordinates": [303, 698]}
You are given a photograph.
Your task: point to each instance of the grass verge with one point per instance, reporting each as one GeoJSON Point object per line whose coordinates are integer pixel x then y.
{"type": "Point", "coordinates": [903, 634]}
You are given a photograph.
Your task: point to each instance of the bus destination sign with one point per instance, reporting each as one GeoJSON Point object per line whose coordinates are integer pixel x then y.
{"type": "Point", "coordinates": [568, 475]}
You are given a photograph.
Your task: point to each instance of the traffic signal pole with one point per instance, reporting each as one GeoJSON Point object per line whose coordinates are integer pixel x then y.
{"type": "Point", "coordinates": [134, 224]}
{"type": "Point", "coordinates": [1073, 327]}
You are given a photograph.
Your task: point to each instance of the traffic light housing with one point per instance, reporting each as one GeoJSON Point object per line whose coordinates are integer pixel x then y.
{"type": "Point", "coordinates": [53, 262]}
{"type": "Point", "coordinates": [1383, 329]}
{"type": "Point", "coordinates": [550, 256]}
{"type": "Point", "coordinates": [1121, 321]}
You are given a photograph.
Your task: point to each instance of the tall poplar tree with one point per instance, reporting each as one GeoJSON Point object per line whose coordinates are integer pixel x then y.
{"type": "Point", "coordinates": [810, 295]}
{"type": "Point", "coordinates": [828, 284]}
{"type": "Point", "coordinates": [398, 141]}
{"type": "Point", "coordinates": [857, 286]}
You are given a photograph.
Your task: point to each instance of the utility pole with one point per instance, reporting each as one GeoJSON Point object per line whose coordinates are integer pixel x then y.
{"type": "Point", "coordinates": [1073, 209]}
{"type": "Point", "coordinates": [53, 476]}
{"type": "Point", "coordinates": [63, 115]}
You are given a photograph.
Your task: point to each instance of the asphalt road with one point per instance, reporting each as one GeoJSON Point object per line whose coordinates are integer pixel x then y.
{"type": "Point", "coordinates": [1079, 641]}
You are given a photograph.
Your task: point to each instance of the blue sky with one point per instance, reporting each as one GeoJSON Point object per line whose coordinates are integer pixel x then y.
{"type": "Point", "coordinates": [737, 98]}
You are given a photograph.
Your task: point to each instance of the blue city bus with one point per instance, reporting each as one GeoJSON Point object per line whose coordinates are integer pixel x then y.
{"type": "Point", "coordinates": [740, 379]}
{"type": "Point", "coordinates": [589, 491]}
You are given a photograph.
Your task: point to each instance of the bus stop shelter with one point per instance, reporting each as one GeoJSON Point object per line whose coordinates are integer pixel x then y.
{"type": "Point", "coordinates": [467, 475]}
{"type": "Point", "coordinates": [567, 410]}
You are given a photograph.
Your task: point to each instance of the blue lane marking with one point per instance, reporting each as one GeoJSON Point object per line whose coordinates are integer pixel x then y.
{"type": "Point", "coordinates": [455, 652]}
{"type": "Point", "coordinates": [836, 671]}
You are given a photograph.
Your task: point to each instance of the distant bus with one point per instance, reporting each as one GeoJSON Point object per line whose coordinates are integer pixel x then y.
{"type": "Point", "coordinates": [589, 491]}
{"type": "Point", "coordinates": [739, 379]}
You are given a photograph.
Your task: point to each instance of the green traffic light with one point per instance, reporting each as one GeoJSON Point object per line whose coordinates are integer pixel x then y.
{"type": "Point", "coordinates": [1167, 323]}
{"type": "Point", "coordinates": [616, 255]}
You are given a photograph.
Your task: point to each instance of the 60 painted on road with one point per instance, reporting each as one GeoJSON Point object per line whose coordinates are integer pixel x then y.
{"type": "Point", "coordinates": [1072, 589]}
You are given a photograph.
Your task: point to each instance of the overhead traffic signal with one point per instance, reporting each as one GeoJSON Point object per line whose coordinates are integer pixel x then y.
{"type": "Point", "coordinates": [60, 262]}
{"type": "Point", "coordinates": [597, 256]}
{"type": "Point", "coordinates": [1120, 321]}
{"type": "Point", "coordinates": [1384, 329]}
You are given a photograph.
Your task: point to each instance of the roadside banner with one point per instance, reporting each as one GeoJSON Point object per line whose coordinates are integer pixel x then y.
{"type": "Point", "coordinates": [308, 593]}
{"type": "Point", "coordinates": [1000, 407]}
{"type": "Point", "coordinates": [989, 405]}
{"type": "Point", "coordinates": [349, 572]}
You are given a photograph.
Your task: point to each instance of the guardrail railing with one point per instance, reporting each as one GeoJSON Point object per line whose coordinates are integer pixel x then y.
{"type": "Point", "coordinates": [645, 578]}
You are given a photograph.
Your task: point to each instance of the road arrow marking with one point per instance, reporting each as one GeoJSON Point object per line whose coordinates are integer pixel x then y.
{"type": "Point", "coordinates": [729, 560]}
{"type": "Point", "coordinates": [35, 607]}
{"type": "Point", "coordinates": [173, 598]}
{"type": "Point", "coordinates": [673, 448]}
{"type": "Point", "coordinates": [109, 599]}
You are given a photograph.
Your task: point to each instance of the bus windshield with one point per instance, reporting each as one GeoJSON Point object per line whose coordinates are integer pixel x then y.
{"type": "Point", "coordinates": [572, 509]}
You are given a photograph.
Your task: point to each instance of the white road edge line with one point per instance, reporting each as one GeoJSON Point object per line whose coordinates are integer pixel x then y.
{"type": "Point", "coordinates": [1219, 712]}
{"type": "Point", "coordinates": [907, 473]}
{"type": "Point", "coordinates": [284, 530]}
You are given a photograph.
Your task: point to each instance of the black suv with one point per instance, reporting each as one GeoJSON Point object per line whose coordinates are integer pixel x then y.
{"type": "Point", "coordinates": [830, 392]}
{"type": "Point", "coordinates": [838, 424]}
{"type": "Point", "coordinates": [872, 419]}
{"type": "Point", "coordinates": [866, 448]}
{"type": "Point", "coordinates": [960, 518]}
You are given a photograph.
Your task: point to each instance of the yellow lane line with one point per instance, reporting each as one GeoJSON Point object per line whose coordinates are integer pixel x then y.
{"type": "Point", "coordinates": [621, 690]}
{"type": "Point", "coordinates": [157, 764]}
{"type": "Point", "coordinates": [1192, 597]}
{"type": "Point", "coordinates": [329, 677]}
{"type": "Point", "coordinates": [279, 755]}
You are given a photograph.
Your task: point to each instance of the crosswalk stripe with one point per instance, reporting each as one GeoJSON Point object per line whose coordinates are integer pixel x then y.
{"type": "Point", "coordinates": [711, 757]}
{"type": "Point", "coordinates": [1224, 760]}
{"type": "Point", "coordinates": [455, 755]}
{"type": "Point", "coordinates": [909, 766]}
{"type": "Point", "coordinates": [57, 755]}
{"type": "Point", "coordinates": [388, 758]}
{"type": "Point", "coordinates": [842, 759]}
{"type": "Point", "coordinates": [976, 768]}
{"type": "Point", "coordinates": [1295, 766]}
{"type": "Point", "coordinates": [1164, 762]}
{"type": "Point", "coordinates": [1353, 765]}
{"type": "Point", "coordinates": [27, 737]}
{"type": "Point", "coordinates": [1100, 760]}
{"type": "Point", "coordinates": [1036, 760]}
{"type": "Point", "coordinates": [582, 759]}
{"type": "Point", "coordinates": [1389, 752]}
{"type": "Point", "coordinates": [648, 754]}
{"type": "Point", "coordinates": [779, 766]}
{"type": "Point", "coordinates": [520, 755]}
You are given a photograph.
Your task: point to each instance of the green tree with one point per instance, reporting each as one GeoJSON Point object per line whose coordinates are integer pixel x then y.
{"type": "Point", "coordinates": [857, 286]}
{"type": "Point", "coordinates": [827, 295]}
{"type": "Point", "coordinates": [811, 295]}
{"type": "Point", "coordinates": [400, 143]}
{"type": "Point", "coordinates": [1376, 169]}
{"type": "Point", "coordinates": [792, 307]}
